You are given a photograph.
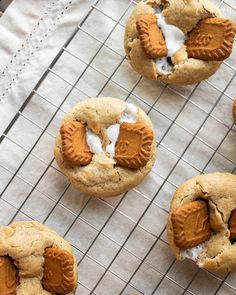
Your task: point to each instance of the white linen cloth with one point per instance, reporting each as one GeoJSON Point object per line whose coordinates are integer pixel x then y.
{"type": "Point", "coordinates": [31, 34]}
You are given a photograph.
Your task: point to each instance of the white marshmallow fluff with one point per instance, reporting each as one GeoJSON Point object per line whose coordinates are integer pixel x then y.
{"type": "Point", "coordinates": [163, 66]}
{"type": "Point", "coordinates": [113, 134]}
{"type": "Point", "coordinates": [192, 253]}
{"type": "Point", "coordinates": [174, 39]}
{"type": "Point", "coordinates": [129, 115]}
{"type": "Point", "coordinates": [94, 142]}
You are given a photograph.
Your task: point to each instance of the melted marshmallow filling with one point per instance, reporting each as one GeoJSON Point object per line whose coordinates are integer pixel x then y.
{"type": "Point", "coordinates": [174, 39]}
{"type": "Point", "coordinates": [129, 115]}
{"type": "Point", "coordinates": [113, 134]}
{"type": "Point", "coordinates": [94, 142]}
{"type": "Point", "coordinates": [193, 253]}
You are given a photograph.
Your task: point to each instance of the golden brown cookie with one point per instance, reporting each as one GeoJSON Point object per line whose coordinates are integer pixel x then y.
{"type": "Point", "coordinates": [232, 225]}
{"type": "Point", "coordinates": [151, 36]}
{"type": "Point", "coordinates": [74, 146]}
{"type": "Point", "coordinates": [191, 224]}
{"type": "Point", "coordinates": [9, 279]}
{"type": "Point", "coordinates": [24, 244]}
{"type": "Point", "coordinates": [133, 146]}
{"type": "Point", "coordinates": [103, 176]}
{"type": "Point", "coordinates": [179, 68]}
{"type": "Point", "coordinates": [218, 190]}
{"type": "Point", "coordinates": [212, 39]}
{"type": "Point", "coordinates": [58, 276]}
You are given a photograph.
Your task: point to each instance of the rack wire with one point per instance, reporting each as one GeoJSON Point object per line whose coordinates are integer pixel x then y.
{"type": "Point", "coordinates": [120, 242]}
{"type": "Point", "coordinates": [4, 4]}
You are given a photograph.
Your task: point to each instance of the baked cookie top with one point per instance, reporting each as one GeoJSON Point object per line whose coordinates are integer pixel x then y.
{"type": "Point", "coordinates": [119, 146]}
{"type": "Point", "coordinates": [35, 260]}
{"type": "Point", "coordinates": [178, 42]}
{"type": "Point", "coordinates": [211, 244]}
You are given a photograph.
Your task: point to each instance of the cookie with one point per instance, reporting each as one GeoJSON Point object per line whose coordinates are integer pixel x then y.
{"type": "Point", "coordinates": [211, 39]}
{"type": "Point", "coordinates": [232, 225]}
{"type": "Point", "coordinates": [74, 146]}
{"type": "Point", "coordinates": [121, 140]}
{"type": "Point", "coordinates": [215, 252]}
{"type": "Point", "coordinates": [234, 111]}
{"type": "Point", "coordinates": [134, 145]}
{"type": "Point", "coordinates": [35, 260]}
{"type": "Point", "coordinates": [191, 224]}
{"type": "Point", "coordinates": [151, 36]}
{"type": "Point", "coordinates": [9, 279]}
{"type": "Point", "coordinates": [176, 19]}
{"type": "Point", "coordinates": [58, 275]}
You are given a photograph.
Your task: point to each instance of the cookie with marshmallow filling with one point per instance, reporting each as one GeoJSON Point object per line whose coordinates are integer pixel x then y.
{"type": "Point", "coordinates": [105, 146]}
{"type": "Point", "coordinates": [202, 221]}
{"type": "Point", "coordinates": [192, 52]}
{"type": "Point", "coordinates": [35, 260]}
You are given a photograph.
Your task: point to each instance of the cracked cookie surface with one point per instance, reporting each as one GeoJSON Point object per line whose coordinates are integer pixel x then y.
{"type": "Point", "coordinates": [219, 190]}
{"type": "Point", "coordinates": [185, 17]}
{"type": "Point", "coordinates": [102, 177]}
{"type": "Point", "coordinates": [25, 244]}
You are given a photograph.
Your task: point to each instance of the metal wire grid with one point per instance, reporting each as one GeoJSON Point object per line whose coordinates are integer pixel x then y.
{"type": "Point", "coordinates": [4, 4]}
{"type": "Point", "coordinates": [117, 276]}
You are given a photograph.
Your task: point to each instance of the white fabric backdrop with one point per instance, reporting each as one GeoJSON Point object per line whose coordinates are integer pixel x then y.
{"type": "Point", "coordinates": [31, 33]}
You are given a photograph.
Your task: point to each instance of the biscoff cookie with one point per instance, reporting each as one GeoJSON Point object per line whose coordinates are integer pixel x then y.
{"type": "Point", "coordinates": [113, 150]}
{"type": "Point", "coordinates": [191, 225]}
{"type": "Point", "coordinates": [202, 221]}
{"type": "Point", "coordinates": [211, 39]}
{"type": "Point", "coordinates": [178, 42]}
{"type": "Point", "coordinates": [234, 111]}
{"type": "Point", "coordinates": [151, 36]}
{"type": "Point", "coordinates": [35, 260]}
{"type": "Point", "coordinates": [232, 225]}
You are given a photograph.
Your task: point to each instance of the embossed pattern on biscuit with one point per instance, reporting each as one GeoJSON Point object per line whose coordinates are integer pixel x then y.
{"type": "Point", "coordinates": [74, 146]}
{"type": "Point", "coordinates": [58, 276]}
{"type": "Point", "coordinates": [191, 224]}
{"type": "Point", "coordinates": [133, 147]}
{"type": "Point", "coordinates": [151, 37]}
{"type": "Point", "coordinates": [212, 39]}
{"type": "Point", "coordinates": [232, 225]}
{"type": "Point", "coordinates": [9, 279]}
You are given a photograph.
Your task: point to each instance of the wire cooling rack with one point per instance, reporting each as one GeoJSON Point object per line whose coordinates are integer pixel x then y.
{"type": "Point", "coordinates": [120, 242]}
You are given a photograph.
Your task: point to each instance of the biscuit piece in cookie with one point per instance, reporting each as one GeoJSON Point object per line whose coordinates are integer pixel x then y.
{"type": "Point", "coordinates": [151, 36]}
{"type": "Point", "coordinates": [133, 146]}
{"type": "Point", "coordinates": [9, 279]}
{"type": "Point", "coordinates": [234, 111]}
{"type": "Point", "coordinates": [219, 191]}
{"type": "Point", "coordinates": [58, 276]}
{"type": "Point", "coordinates": [176, 19]}
{"type": "Point", "coordinates": [74, 146]}
{"type": "Point", "coordinates": [211, 39]}
{"type": "Point", "coordinates": [191, 224]}
{"type": "Point", "coordinates": [120, 137]}
{"type": "Point", "coordinates": [35, 260]}
{"type": "Point", "coordinates": [232, 225]}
